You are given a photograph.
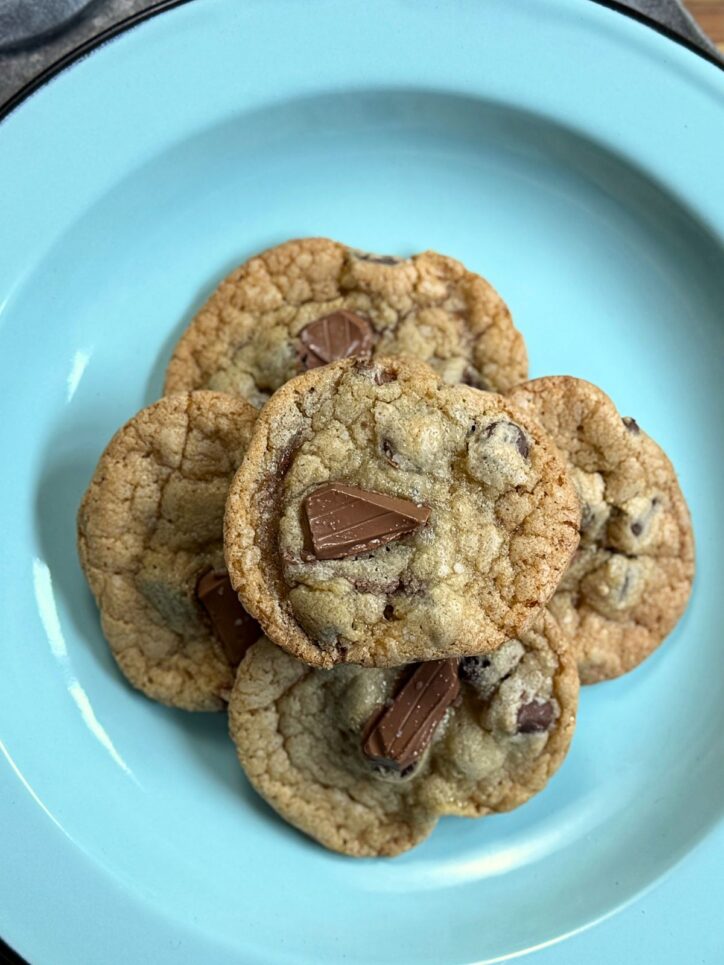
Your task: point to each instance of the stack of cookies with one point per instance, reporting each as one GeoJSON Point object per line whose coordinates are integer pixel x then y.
{"type": "Point", "coordinates": [354, 524]}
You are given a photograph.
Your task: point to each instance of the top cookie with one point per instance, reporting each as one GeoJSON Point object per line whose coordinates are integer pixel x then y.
{"type": "Point", "coordinates": [631, 577]}
{"type": "Point", "coordinates": [265, 323]}
{"type": "Point", "coordinates": [150, 539]}
{"type": "Point", "coordinates": [382, 517]}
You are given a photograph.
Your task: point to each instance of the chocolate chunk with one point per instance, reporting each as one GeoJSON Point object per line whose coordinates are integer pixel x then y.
{"type": "Point", "coordinates": [631, 424]}
{"type": "Point", "coordinates": [535, 716]}
{"type": "Point", "coordinates": [388, 612]}
{"type": "Point", "coordinates": [335, 336]}
{"type": "Point", "coordinates": [511, 433]}
{"type": "Point", "coordinates": [346, 521]}
{"type": "Point", "coordinates": [234, 628]}
{"type": "Point", "coordinates": [399, 736]}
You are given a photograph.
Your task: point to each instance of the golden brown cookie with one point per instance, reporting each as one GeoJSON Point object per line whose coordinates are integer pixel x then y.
{"type": "Point", "coordinates": [382, 517]}
{"type": "Point", "coordinates": [631, 578]}
{"type": "Point", "coordinates": [310, 301]}
{"type": "Point", "coordinates": [150, 533]}
{"type": "Point", "coordinates": [303, 738]}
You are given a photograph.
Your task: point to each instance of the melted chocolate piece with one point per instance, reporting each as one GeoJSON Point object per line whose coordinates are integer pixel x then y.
{"type": "Point", "coordinates": [513, 434]}
{"type": "Point", "coordinates": [400, 735]}
{"type": "Point", "coordinates": [346, 521]}
{"type": "Point", "coordinates": [335, 336]}
{"type": "Point", "coordinates": [535, 716]}
{"type": "Point", "coordinates": [631, 424]}
{"type": "Point", "coordinates": [232, 625]}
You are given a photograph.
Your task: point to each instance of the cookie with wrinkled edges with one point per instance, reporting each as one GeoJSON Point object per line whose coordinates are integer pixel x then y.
{"type": "Point", "coordinates": [631, 578]}
{"type": "Point", "coordinates": [299, 735]}
{"type": "Point", "coordinates": [149, 525]}
{"type": "Point", "coordinates": [250, 336]}
{"type": "Point", "coordinates": [492, 521]}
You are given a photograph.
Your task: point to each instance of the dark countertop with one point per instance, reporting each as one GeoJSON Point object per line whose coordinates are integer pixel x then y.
{"type": "Point", "coordinates": [19, 66]}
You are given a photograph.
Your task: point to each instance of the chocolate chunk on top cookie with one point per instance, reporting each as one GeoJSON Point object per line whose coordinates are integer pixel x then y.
{"type": "Point", "coordinates": [383, 517]}
{"type": "Point", "coordinates": [312, 301]}
{"type": "Point", "coordinates": [150, 539]}
{"type": "Point", "coordinates": [365, 760]}
{"type": "Point", "coordinates": [631, 578]}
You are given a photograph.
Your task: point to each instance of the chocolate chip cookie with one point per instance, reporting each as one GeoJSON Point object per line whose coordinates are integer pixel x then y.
{"type": "Point", "coordinates": [631, 578]}
{"type": "Point", "coordinates": [365, 760]}
{"type": "Point", "coordinates": [150, 531]}
{"type": "Point", "coordinates": [308, 302]}
{"type": "Point", "coordinates": [382, 517]}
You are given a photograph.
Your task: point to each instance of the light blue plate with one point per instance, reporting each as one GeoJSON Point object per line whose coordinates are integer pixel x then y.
{"type": "Point", "coordinates": [574, 157]}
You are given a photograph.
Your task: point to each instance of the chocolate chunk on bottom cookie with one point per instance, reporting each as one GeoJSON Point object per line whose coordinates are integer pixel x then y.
{"type": "Point", "coordinates": [365, 760]}
{"type": "Point", "coordinates": [150, 531]}
{"type": "Point", "coordinates": [631, 577]}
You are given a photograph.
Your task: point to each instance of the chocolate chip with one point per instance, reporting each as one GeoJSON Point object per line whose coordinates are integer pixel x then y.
{"type": "Point", "coordinates": [347, 521]}
{"type": "Point", "coordinates": [377, 259]}
{"type": "Point", "coordinates": [336, 336]}
{"type": "Point", "coordinates": [399, 735]}
{"type": "Point", "coordinates": [388, 612]}
{"type": "Point", "coordinates": [622, 591]}
{"type": "Point", "coordinates": [232, 625]}
{"type": "Point", "coordinates": [510, 432]}
{"type": "Point", "coordinates": [388, 451]}
{"type": "Point", "coordinates": [389, 772]}
{"type": "Point", "coordinates": [638, 526]}
{"type": "Point", "coordinates": [535, 716]}
{"type": "Point", "coordinates": [486, 672]}
{"type": "Point", "coordinates": [631, 424]}
{"type": "Point", "coordinates": [471, 668]}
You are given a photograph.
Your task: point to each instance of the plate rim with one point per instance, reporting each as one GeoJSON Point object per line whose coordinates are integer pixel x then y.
{"type": "Point", "coordinates": [141, 16]}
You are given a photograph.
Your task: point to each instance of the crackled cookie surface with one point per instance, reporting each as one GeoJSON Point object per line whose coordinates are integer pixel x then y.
{"type": "Point", "coordinates": [308, 302]}
{"type": "Point", "coordinates": [150, 531]}
{"type": "Point", "coordinates": [631, 578]}
{"type": "Point", "coordinates": [382, 517]}
{"type": "Point", "coordinates": [489, 737]}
